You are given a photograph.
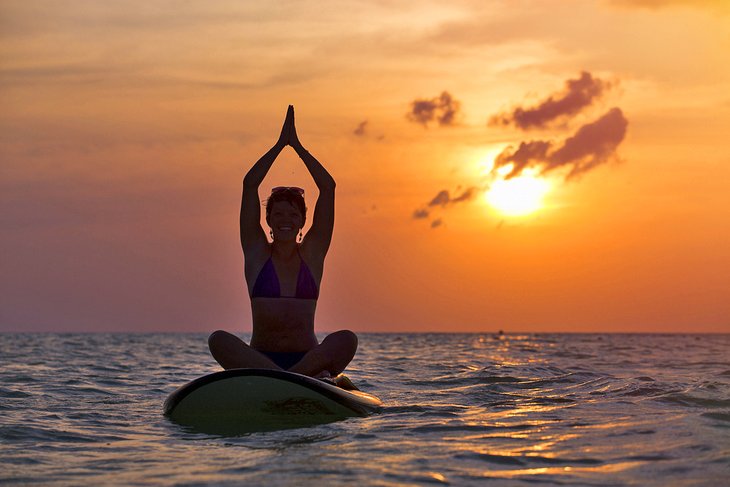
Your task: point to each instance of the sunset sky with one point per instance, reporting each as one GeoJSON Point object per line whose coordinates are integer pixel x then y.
{"type": "Point", "coordinates": [126, 128]}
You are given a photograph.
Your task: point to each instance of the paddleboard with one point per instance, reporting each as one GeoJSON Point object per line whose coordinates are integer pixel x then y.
{"type": "Point", "coordinates": [247, 400]}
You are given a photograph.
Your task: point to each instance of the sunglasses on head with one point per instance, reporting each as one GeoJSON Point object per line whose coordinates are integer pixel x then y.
{"type": "Point", "coordinates": [293, 189]}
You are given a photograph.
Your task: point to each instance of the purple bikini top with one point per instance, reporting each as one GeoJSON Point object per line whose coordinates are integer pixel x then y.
{"type": "Point", "coordinates": [267, 283]}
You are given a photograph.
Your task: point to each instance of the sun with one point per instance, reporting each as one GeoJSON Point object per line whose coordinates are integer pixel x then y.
{"type": "Point", "coordinates": [518, 196]}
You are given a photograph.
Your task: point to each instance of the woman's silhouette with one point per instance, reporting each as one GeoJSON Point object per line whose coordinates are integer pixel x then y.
{"type": "Point", "coordinates": [283, 276]}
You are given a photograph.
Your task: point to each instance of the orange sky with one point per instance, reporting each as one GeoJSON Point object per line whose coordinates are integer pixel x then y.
{"type": "Point", "coordinates": [126, 127]}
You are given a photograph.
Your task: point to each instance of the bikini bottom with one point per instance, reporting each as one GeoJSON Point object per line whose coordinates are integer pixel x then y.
{"type": "Point", "coordinates": [285, 360]}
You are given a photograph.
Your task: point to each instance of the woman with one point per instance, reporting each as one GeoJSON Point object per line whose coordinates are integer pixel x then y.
{"type": "Point", "coordinates": [283, 276]}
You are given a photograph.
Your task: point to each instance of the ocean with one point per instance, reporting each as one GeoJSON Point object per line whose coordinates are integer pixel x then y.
{"type": "Point", "coordinates": [459, 409]}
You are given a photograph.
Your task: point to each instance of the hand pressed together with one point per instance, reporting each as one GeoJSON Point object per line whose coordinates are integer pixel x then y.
{"type": "Point", "coordinates": [288, 134]}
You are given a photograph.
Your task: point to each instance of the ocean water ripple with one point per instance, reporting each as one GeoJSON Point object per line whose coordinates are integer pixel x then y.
{"type": "Point", "coordinates": [459, 409]}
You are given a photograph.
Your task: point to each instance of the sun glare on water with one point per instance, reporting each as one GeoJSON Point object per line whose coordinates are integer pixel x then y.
{"type": "Point", "coordinates": [517, 196]}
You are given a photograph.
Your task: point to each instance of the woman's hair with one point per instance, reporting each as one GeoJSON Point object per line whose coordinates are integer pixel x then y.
{"type": "Point", "coordinates": [291, 196]}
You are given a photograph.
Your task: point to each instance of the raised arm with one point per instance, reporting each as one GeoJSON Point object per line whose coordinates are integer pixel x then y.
{"type": "Point", "coordinates": [252, 235]}
{"type": "Point", "coordinates": [319, 236]}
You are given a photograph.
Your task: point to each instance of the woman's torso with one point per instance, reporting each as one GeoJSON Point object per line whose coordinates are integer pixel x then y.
{"type": "Point", "coordinates": [283, 322]}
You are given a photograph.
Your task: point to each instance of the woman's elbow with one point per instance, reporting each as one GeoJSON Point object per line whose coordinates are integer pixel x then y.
{"type": "Point", "coordinates": [328, 184]}
{"type": "Point", "coordinates": [250, 182]}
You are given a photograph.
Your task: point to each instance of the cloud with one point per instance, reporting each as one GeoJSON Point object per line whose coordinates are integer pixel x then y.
{"type": "Point", "coordinates": [467, 195]}
{"type": "Point", "coordinates": [363, 130]}
{"type": "Point", "coordinates": [442, 109]}
{"type": "Point", "coordinates": [590, 145]}
{"type": "Point", "coordinates": [420, 213]}
{"type": "Point", "coordinates": [527, 154]}
{"type": "Point", "coordinates": [593, 144]}
{"type": "Point", "coordinates": [443, 199]}
{"type": "Point", "coordinates": [360, 130]}
{"type": "Point", "coordinates": [579, 93]}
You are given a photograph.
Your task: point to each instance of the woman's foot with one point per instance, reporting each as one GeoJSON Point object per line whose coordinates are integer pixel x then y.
{"type": "Point", "coordinates": [344, 382]}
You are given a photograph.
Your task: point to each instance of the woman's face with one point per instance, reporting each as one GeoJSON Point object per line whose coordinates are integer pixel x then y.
{"type": "Point", "coordinates": [285, 220]}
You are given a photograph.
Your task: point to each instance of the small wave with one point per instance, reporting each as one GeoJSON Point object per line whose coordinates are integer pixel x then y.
{"type": "Point", "coordinates": [491, 458]}
{"type": "Point", "coordinates": [495, 379]}
{"type": "Point", "coordinates": [551, 400]}
{"type": "Point", "coordinates": [720, 416]}
{"type": "Point", "coordinates": [459, 426]}
{"type": "Point", "coordinates": [574, 355]}
{"type": "Point", "coordinates": [119, 382]}
{"type": "Point", "coordinates": [694, 401]}
{"type": "Point", "coordinates": [563, 461]}
{"type": "Point", "coordinates": [527, 460]}
{"type": "Point", "coordinates": [13, 393]}
{"type": "Point", "coordinates": [364, 436]}
{"type": "Point", "coordinates": [506, 396]}
{"type": "Point", "coordinates": [20, 379]}
{"type": "Point", "coordinates": [577, 378]}
{"type": "Point", "coordinates": [404, 409]}
{"type": "Point", "coordinates": [647, 391]}
{"type": "Point", "coordinates": [90, 390]}
{"type": "Point", "coordinates": [32, 433]}
{"type": "Point", "coordinates": [453, 427]}
{"type": "Point", "coordinates": [632, 432]}
{"type": "Point", "coordinates": [439, 411]}
{"type": "Point", "coordinates": [120, 399]}
{"type": "Point", "coordinates": [648, 458]}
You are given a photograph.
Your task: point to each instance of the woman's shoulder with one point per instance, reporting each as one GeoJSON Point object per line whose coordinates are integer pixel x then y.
{"type": "Point", "coordinates": [309, 251]}
{"type": "Point", "coordinates": [256, 256]}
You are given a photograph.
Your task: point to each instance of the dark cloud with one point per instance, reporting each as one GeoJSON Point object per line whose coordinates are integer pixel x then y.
{"type": "Point", "coordinates": [527, 154]}
{"type": "Point", "coordinates": [444, 199]}
{"type": "Point", "coordinates": [364, 130]}
{"type": "Point", "coordinates": [593, 144]}
{"type": "Point", "coordinates": [360, 130]}
{"type": "Point", "coordinates": [420, 213]}
{"type": "Point", "coordinates": [442, 109]}
{"type": "Point", "coordinates": [441, 199]}
{"type": "Point", "coordinates": [467, 195]}
{"type": "Point", "coordinates": [579, 93]}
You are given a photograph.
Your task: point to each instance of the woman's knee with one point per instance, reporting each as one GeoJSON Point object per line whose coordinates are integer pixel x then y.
{"type": "Point", "coordinates": [351, 337]}
{"type": "Point", "coordinates": [217, 338]}
{"type": "Point", "coordinates": [345, 338]}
